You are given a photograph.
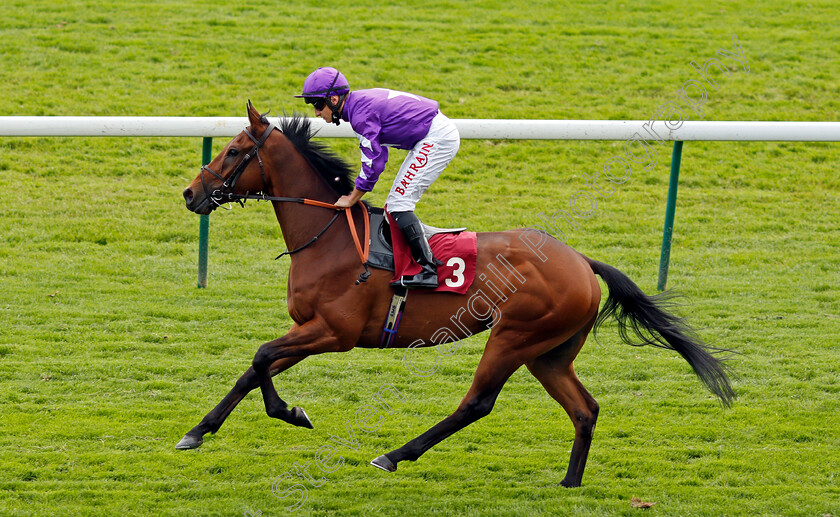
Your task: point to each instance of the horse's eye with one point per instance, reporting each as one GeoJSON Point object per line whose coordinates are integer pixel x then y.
{"type": "Point", "coordinates": [233, 152]}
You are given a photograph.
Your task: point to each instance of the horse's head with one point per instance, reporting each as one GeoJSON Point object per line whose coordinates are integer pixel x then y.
{"type": "Point", "coordinates": [237, 170]}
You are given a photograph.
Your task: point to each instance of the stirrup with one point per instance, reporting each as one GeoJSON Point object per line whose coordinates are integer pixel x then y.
{"type": "Point", "coordinates": [417, 281]}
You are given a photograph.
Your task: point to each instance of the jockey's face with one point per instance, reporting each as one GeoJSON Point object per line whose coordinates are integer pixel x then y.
{"type": "Point", "coordinates": [325, 112]}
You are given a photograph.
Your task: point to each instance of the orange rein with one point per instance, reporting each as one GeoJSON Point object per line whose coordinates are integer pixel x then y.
{"type": "Point", "coordinates": [364, 253]}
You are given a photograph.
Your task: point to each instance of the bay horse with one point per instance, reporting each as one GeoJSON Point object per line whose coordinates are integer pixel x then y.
{"type": "Point", "coordinates": [542, 325]}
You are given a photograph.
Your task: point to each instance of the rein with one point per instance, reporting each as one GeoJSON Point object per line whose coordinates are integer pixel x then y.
{"type": "Point", "coordinates": [224, 194]}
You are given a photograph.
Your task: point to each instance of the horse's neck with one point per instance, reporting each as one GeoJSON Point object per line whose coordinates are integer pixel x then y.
{"type": "Point", "coordinates": [294, 177]}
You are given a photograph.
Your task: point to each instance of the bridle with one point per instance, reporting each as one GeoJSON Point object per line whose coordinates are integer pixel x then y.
{"type": "Point", "coordinates": [225, 195]}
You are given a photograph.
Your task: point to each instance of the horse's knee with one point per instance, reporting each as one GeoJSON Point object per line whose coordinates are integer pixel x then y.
{"type": "Point", "coordinates": [478, 408]}
{"type": "Point", "coordinates": [585, 420]}
{"type": "Point", "coordinates": [262, 359]}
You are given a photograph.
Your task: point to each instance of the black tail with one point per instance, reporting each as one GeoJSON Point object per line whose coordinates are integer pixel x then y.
{"type": "Point", "coordinates": [647, 318]}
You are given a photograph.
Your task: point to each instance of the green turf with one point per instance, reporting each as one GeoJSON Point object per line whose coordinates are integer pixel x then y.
{"type": "Point", "coordinates": [109, 354]}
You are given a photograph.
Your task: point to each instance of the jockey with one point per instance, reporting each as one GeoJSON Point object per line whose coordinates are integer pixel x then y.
{"type": "Point", "coordinates": [384, 118]}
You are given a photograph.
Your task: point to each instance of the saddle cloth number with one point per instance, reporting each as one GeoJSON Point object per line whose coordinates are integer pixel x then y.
{"type": "Point", "coordinates": [457, 279]}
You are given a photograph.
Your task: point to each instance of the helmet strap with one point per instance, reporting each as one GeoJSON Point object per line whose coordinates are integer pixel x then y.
{"type": "Point", "coordinates": [336, 116]}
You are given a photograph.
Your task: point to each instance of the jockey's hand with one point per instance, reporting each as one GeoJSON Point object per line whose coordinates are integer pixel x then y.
{"type": "Point", "coordinates": [350, 199]}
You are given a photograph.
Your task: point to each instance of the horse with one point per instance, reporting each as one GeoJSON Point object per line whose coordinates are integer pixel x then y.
{"type": "Point", "coordinates": [542, 302]}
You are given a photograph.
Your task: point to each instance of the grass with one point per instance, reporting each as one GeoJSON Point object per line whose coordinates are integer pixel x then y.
{"type": "Point", "coordinates": [108, 353]}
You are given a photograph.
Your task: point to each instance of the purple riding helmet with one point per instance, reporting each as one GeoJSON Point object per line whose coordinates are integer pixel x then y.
{"type": "Point", "coordinates": [320, 85]}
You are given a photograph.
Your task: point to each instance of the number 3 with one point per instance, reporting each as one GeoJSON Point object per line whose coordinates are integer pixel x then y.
{"type": "Point", "coordinates": [457, 279]}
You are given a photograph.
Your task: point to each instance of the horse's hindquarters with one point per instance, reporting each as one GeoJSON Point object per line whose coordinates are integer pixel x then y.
{"type": "Point", "coordinates": [541, 297]}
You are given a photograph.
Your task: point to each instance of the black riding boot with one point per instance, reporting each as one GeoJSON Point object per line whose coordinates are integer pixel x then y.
{"type": "Point", "coordinates": [411, 228]}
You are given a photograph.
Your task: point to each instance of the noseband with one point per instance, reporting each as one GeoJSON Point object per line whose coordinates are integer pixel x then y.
{"type": "Point", "coordinates": [224, 194]}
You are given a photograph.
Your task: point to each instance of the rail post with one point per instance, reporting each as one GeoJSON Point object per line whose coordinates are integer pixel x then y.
{"type": "Point", "coordinates": [670, 208]}
{"type": "Point", "coordinates": [204, 223]}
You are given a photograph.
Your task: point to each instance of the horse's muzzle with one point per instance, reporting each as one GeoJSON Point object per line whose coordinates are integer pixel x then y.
{"type": "Point", "coordinates": [198, 204]}
{"type": "Point", "coordinates": [188, 195]}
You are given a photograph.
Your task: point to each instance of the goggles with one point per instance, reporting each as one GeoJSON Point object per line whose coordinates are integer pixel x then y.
{"type": "Point", "coordinates": [317, 102]}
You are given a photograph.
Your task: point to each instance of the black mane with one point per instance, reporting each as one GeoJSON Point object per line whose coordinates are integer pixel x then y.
{"type": "Point", "coordinates": [332, 168]}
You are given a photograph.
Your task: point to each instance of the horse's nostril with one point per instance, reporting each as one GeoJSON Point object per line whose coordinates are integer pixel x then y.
{"type": "Point", "coordinates": [188, 194]}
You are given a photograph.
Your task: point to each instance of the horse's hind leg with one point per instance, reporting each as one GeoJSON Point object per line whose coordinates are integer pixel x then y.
{"type": "Point", "coordinates": [492, 373]}
{"type": "Point", "coordinates": [244, 385]}
{"type": "Point", "coordinates": [555, 372]}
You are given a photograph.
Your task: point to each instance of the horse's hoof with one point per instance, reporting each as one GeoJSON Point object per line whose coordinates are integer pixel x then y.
{"type": "Point", "coordinates": [301, 419]}
{"type": "Point", "coordinates": [190, 442]}
{"type": "Point", "coordinates": [384, 463]}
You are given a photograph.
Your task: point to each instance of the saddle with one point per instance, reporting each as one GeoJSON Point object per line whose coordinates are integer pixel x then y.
{"type": "Point", "coordinates": [381, 254]}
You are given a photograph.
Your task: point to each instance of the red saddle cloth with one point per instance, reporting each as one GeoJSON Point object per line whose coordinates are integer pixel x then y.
{"type": "Point", "coordinates": [457, 251]}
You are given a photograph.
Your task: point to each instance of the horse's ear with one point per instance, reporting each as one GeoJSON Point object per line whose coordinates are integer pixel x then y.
{"type": "Point", "coordinates": [253, 114]}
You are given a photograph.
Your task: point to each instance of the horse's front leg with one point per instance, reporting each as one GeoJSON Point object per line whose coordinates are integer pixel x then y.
{"type": "Point", "coordinates": [246, 383]}
{"type": "Point", "coordinates": [313, 337]}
